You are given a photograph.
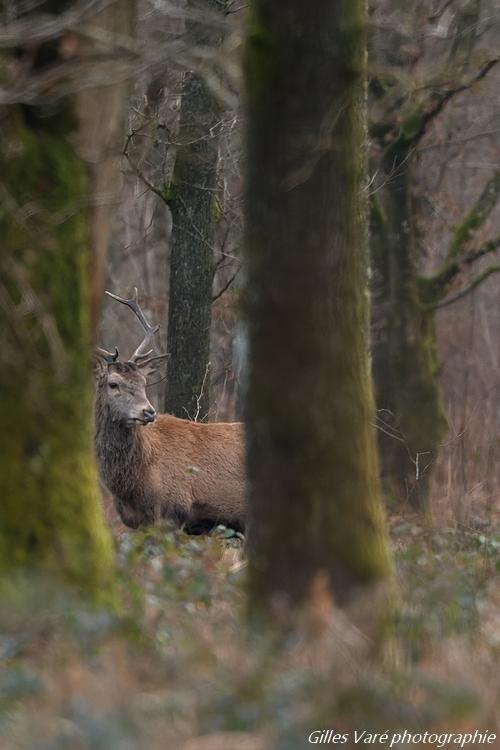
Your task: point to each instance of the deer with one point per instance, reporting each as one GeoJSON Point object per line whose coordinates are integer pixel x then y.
{"type": "Point", "coordinates": [157, 466]}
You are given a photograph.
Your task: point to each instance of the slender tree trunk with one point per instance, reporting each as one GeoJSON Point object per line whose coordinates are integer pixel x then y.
{"type": "Point", "coordinates": [410, 416]}
{"type": "Point", "coordinates": [50, 516]}
{"type": "Point", "coordinates": [312, 463]}
{"type": "Point", "coordinates": [192, 203]}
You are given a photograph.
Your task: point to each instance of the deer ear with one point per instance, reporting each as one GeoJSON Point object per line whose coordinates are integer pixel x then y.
{"type": "Point", "coordinates": [150, 365]}
{"type": "Point", "coordinates": [102, 359]}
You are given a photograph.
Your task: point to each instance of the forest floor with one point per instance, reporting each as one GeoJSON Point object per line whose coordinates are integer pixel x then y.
{"type": "Point", "coordinates": [178, 669]}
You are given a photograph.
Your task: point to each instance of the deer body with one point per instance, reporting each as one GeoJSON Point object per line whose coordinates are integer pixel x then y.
{"type": "Point", "coordinates": [187, 472]}
{"type": "Point", "coordinates": [158, 466]}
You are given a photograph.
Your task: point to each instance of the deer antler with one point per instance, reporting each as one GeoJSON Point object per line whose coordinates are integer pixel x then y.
{"type": "Point", "coordinates": [150, 330]}
{"type": "Point", "coordinates": [108, 356]}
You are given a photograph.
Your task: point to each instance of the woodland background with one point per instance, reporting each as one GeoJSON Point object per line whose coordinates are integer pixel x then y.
{"type": "Point", "coordinates": [450, 165]}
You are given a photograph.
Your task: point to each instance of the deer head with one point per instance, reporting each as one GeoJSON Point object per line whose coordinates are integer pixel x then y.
{"type": "Point", "coordinates": [121, 385]}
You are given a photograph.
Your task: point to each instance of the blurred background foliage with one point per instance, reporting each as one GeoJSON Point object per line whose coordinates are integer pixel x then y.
{"type": "Point", "coordinates": [176, 666]}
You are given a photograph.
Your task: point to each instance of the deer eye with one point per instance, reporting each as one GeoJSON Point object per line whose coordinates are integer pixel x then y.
{"type": "Point", "coordinates": [114, 386]}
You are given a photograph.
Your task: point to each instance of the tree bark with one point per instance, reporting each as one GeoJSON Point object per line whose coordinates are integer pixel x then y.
{"type": "Point", "coordinates": [191, 198]}
{"type": "Point", "coordinates": [50, 515]}
{"type": "Point", "coordinates": [410, 416]}
{"type": "Point", "coordinates": [314, 501]}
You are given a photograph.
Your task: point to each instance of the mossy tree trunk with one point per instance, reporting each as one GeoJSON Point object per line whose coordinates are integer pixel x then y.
{"type": "Point", "coordinates": [50, 515]}
{"type": "Point", "coordinates": [410, 417]}
{"type": "Point", "coordinates": [192, 200]}
{"type": "Point", "coordinates": [314, 501]}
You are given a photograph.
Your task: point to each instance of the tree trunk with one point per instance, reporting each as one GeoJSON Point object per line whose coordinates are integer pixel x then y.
{"type": "Point", "coordinates": [50, 515]}
{"type": "Point", "coordinates": [410, 415]}
{"type": "Point", "coordinates": [313, 472]}
{"type": "Point", "coordinates": [191, 199]}
{"type": "Point", "coordinates": [101, 113]}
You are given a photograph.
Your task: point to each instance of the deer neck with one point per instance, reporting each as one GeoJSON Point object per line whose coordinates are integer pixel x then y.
{"type": "Point", "coordinates": [120, 453]}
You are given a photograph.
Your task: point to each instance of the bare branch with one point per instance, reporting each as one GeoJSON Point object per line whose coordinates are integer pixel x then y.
{"type": "Point", "coordinates": [458, 258]}
{"type": "Point", "coordinates": [143, 178]}
{"type": "Point", "coordinates": [450, 93]}
{"type": "Point", "coordinates": [47, 27]}
{"type": "Point", "coordinates": [63, 78]}
{"type": "Point", "coordinates": [431, 109]}
{"type": "Point", "coordinates": [438, 13]}
{"type": "Point", "coordinates": [226, 286]}
{"type": "Point", "coordinates": [473, 285]}
{"type": "Point", "coordinates": [199, 397]}
{"type": "Point", "coordinates": [475, 217]}
{"type": "Point", "coordinates": [488, 247]}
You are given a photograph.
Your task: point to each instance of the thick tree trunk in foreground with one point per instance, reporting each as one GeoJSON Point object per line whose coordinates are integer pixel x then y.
{"type": "Point", "coordinates": [313, 470]}
{"type": "Point", "coordinates": [192, 203]}
{"type": "Point", "coordinates": [50, 515]}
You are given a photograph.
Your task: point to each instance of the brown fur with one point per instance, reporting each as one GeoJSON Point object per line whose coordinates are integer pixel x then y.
{"type": "Point", "coordinates": [190, 473]}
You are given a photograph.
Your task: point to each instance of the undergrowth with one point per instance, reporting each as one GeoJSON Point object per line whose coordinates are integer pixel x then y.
{"type": "Point", "coordinates": [177, 668]}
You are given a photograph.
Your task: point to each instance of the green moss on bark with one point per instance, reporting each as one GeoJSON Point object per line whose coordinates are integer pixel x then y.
{"type": "Point", "coordinates": [411, 124]}
{"type": "Point", "coordinates": [412, 418]}
{"type": "Point", "coordinates": [314, 493]}
{"type": "Point", "coordinates": [50, 513]}
{"type": "Point", "coordinates": [259, 53]}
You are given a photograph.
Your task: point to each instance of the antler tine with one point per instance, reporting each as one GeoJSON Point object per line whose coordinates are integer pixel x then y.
{"type": "Point", "coordinates": [150, 330]}
{"type": "Point", "coordinates": [109, 357]}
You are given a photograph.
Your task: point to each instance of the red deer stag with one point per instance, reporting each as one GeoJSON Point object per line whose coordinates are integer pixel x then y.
{"type": "Point", "coordinates": [157, 466]}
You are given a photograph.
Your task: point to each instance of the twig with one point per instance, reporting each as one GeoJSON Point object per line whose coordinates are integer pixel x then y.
{"type": "Point", "coordinates": [226, 286]}
{"type": "Point", "coordinates": [143, 177]}
{"type": "Point", "coordinates": [199, 397]}
{"type": "Point", "coordinates": [464, 292]}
